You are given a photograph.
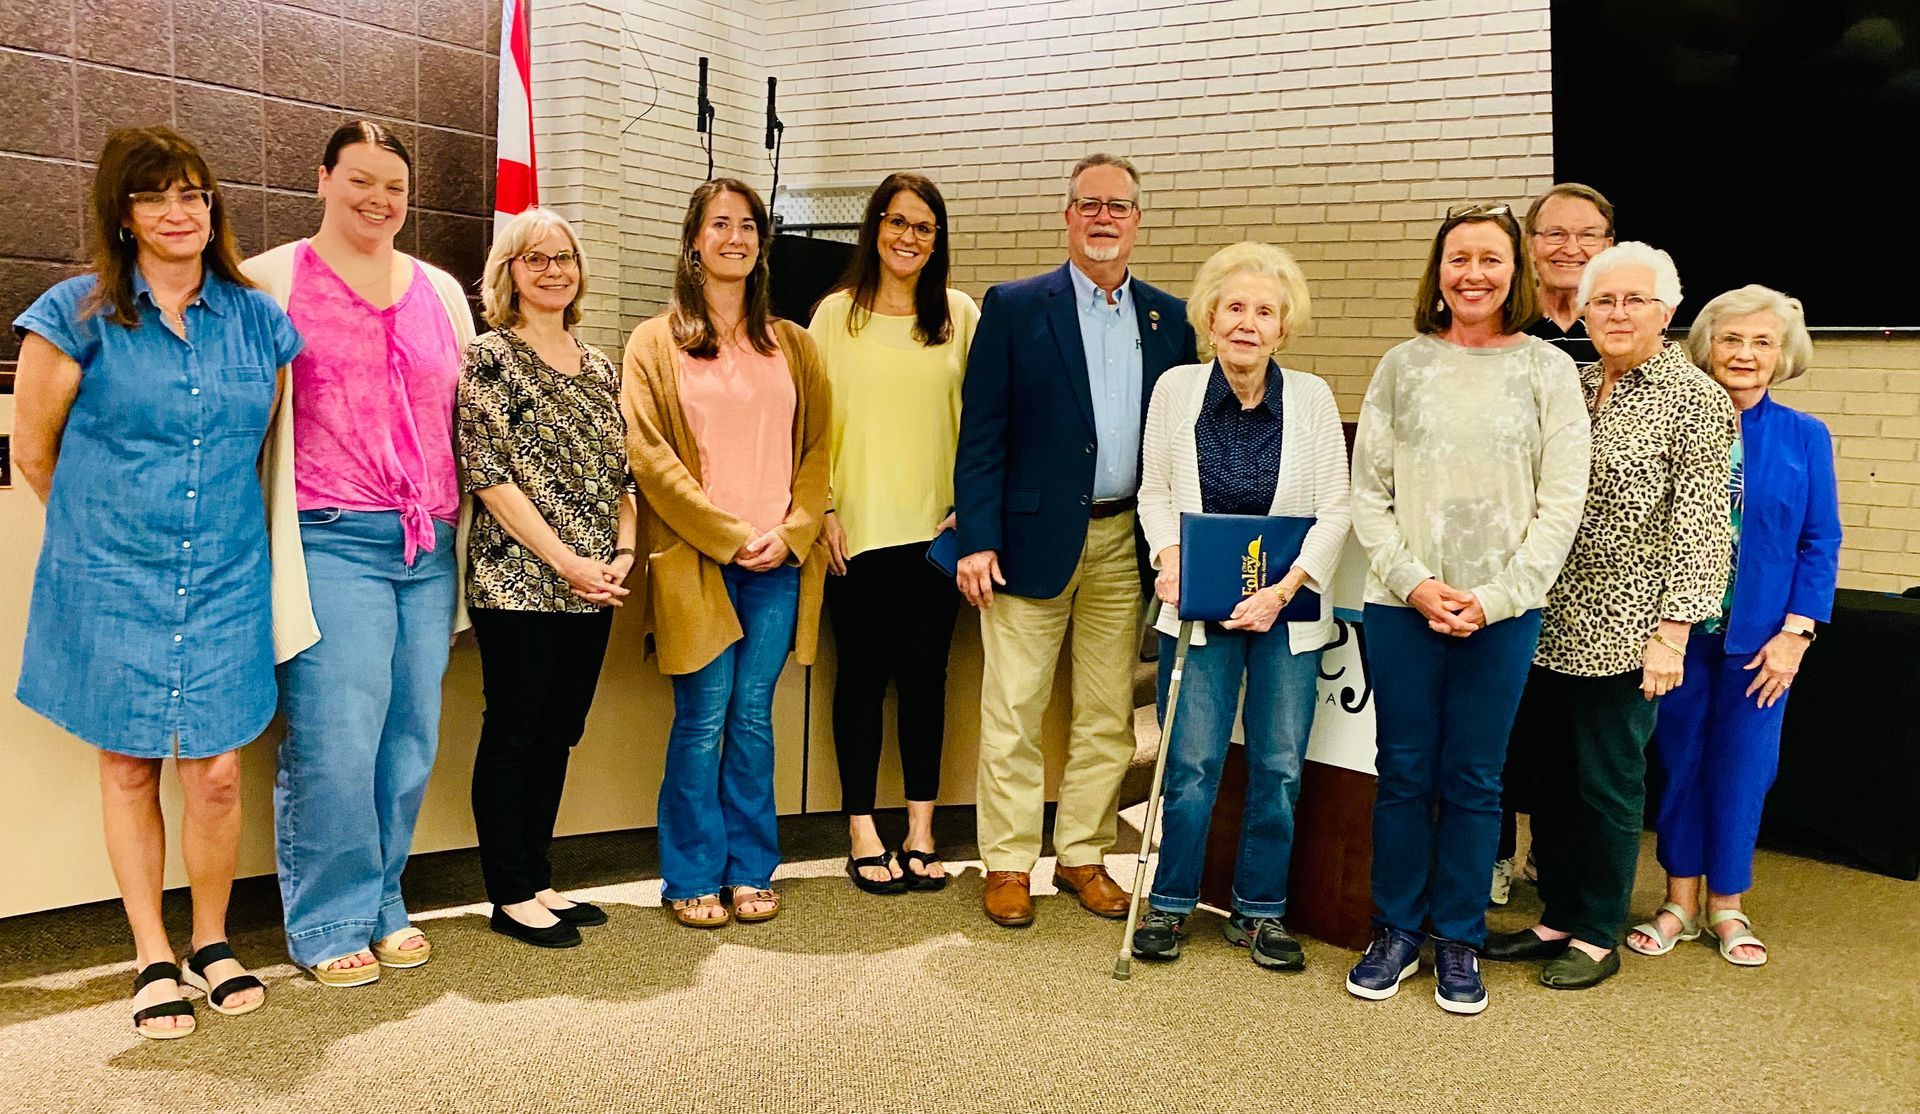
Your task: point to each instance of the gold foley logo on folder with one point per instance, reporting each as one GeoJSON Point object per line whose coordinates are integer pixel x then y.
{"type": "Point", "coordinates": [1253, 568]}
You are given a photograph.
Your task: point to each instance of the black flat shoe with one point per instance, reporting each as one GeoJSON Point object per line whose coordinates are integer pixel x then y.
{"type": "Point", "coordinates": [560, 935]}
{"type": "Point", "coordinates": [1577, 970]}
{"type": "Point", "coordinates": [583, 913]}
{"type": "Point", "coordinates": [884, 860]}
{"type": "Point", "coordinates": [1524, 944]}
{"type": "Point", "coordinates": [918, 879]}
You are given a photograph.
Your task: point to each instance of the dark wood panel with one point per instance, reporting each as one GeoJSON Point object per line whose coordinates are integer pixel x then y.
{"type": "Point", "coordinates": [1329, 886]}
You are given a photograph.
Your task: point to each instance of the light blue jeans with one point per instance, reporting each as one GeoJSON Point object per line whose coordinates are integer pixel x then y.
{"type": "Point", "coordinates": [717, 818]}
{"type": "Point", "coordinates": [363, 724]}
{"type": "Point", "coordinates": [1281, 687]}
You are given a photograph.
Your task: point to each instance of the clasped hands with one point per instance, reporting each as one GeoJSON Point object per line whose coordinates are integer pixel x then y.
{"type": "Point", "coordinates": [1447, 609]}
{"type": "Point", "coordinates": [1256, 612]}
{"type": "Point", "coordinates": [600, 582]}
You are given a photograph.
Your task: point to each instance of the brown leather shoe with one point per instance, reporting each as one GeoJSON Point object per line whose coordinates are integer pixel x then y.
{"type": "Point", "coordinates": [1095, 887]}
{"type": "Point", "coordinates": [1009, 898]}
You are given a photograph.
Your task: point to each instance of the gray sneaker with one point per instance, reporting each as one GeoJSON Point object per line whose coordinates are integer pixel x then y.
{"type": "Point", "coordinates": [1268, 940]}
{"type": "Point", "coordinates": [1158, 935]}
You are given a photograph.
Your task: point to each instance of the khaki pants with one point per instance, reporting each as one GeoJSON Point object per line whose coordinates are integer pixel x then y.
{"type": "Point", "coordinates": [1020, 640]}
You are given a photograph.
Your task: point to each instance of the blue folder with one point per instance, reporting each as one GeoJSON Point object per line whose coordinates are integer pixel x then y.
{"type": "Point", "coordinates": [944, 553]}
{"type": "Point", "coordinates": [1224, 558]}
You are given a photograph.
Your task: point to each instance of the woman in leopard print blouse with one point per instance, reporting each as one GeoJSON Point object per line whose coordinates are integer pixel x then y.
{"type": "Point", "coordinates": [1649, 561]}
{"type": "Point", "coordinates": [543, 446]}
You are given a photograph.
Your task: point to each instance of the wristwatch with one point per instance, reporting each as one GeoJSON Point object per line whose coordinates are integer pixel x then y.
{"type": "Point", "coordinates": [1804, 632]}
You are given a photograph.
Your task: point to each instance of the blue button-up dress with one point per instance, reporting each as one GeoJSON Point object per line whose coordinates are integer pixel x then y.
{"type": "Point", "coordinates": [151, 628]}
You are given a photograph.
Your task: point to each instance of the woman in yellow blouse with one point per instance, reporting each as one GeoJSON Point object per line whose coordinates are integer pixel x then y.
{"type": "Point", "coordinates": [894, 339]}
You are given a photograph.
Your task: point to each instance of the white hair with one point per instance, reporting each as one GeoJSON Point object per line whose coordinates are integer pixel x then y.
{"type": "Point", "coordinates": [1633, 253]}
{"type": "Point", "coordinates": [1796, 347]}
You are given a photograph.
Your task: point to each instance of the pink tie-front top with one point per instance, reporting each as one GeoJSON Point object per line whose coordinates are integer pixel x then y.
{"type": "Point", "coordinates": [373, 401]}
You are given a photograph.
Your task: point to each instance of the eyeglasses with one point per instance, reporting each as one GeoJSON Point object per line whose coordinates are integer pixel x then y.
{"type": "Point", "coordinates": [1119, 207]}
{"type": "Point", "coordinates": [900, 226]}
{"type": "Point", "coordinates": [1558, 237]}
{"type": "Point", "coordinates": [155, 203]}
{"type": "Point", "coordinates": [537, 261]}
{"type": "Point", "coordinates": [1605, 304]}
{"type": "Point", "coordinates": [1478, 209]}
{"type": "Point", "coordinates": [1734, 342]}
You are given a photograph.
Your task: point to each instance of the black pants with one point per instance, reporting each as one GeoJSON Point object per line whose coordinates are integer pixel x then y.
{"type": "Point", "coordinates": [538, 670]}
{"type": "Point", "coordinates": [892, 616]}
{"type": "Point", "coordinates": [1591, 796]}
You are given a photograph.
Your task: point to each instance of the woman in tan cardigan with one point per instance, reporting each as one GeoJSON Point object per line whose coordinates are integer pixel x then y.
{"type": "Point", "coordinates": [727, 414]}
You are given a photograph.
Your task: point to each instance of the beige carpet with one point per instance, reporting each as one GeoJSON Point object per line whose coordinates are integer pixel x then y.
{"type": "Point", "coordinates": [915, 1003]}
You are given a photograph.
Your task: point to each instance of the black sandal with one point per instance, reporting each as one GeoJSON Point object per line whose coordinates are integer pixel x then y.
{"type": "Point", "coordinates": [884, 861]}
{"type": "Point", "coordinates": [179, 1007]}
{"type": "Point", "coordinates": [918, 879]}
{"type": "Point", "coordinates": [197, 965]}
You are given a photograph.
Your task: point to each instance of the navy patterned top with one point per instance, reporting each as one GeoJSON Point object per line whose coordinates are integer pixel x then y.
{"type": "Point", "coordinates": [1238, 449]}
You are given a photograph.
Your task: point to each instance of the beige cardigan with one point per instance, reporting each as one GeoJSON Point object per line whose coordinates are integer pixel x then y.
{"type": "Point", "coordinates": [686, 538]}
{"type": "Point", "coordinates": [294, 627]}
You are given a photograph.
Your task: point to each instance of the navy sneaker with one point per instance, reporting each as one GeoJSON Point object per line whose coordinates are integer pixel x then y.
{"type": "Point", "coordinates": [1456, 973]}
{"type": "Point", "coordinates": [1267, 939]}
{"type": "Point", "coordinates": [1158, 935]}
{"type": "Point", "coordinates": [1391, 958]}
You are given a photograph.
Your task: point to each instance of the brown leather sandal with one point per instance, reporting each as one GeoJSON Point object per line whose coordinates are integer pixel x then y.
{"type": "Point", "coordinates": [681, 909]}
{"type": "Point", "coordinates": [741, 894]}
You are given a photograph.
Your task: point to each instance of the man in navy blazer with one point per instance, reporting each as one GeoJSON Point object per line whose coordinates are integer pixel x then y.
{"type": "Point", "coordinates": [1058, 379]}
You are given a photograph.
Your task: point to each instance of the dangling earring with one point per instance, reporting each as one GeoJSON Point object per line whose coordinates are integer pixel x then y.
{"type": "Point", "coordinates": [694, 258]}
{"type": "Point", "coordinates": [1439, 305]}
{"type": "Point", "coordinates": [126, 236]}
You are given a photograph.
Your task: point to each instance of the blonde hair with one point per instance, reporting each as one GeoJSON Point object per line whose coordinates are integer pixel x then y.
{"type": "Point", "coordinates": [499, 298]}
{"type": "Point", "coordinates": [1248, 258]}
{"type": "Point", "coordinates": [1796, 347]}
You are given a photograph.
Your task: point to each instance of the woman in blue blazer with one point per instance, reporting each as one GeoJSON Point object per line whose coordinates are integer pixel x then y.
{"type": "Point", "coordinates": [1718, 737]}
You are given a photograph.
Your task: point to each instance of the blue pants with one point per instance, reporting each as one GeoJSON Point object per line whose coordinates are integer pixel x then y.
{"type": "Point", "coordinates": [1443, 708]}
{"type": "Point", "coordinates": [1718, 754]}
{"type": "Point", "coordinates": [363, 724]}
{"type": "Point", "coordinates": [717, 818]}
{"type": "Point", "coordinates": [1281, 686]}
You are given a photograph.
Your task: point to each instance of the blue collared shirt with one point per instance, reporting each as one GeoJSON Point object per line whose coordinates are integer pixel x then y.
{"type": "Point", "coordinates": [1110, 334]}
{"type": "Point", "coordinates": [1238, 448]}
{"type": "Point", "coordinates": [149, 633]}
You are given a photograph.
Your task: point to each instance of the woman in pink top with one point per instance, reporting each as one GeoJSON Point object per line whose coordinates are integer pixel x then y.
{"type": "Point", "coordinates": [727, 416]}
{"type": "Point", "coordinates": [378, 495]}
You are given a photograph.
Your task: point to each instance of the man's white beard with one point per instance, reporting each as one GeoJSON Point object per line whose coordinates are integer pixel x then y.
{"type": "Point", "coordinates": [1103, 254]}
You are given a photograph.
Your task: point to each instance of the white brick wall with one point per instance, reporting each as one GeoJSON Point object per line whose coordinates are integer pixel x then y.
{"type": "Point", "coordinates": [1340, 129]}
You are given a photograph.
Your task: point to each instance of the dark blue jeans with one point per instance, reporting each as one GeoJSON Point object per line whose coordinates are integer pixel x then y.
{"type": "Point", "coordinates": [1281, 686]}
{"type": "Point", "coordinates": [1443, 707]}
{"type": "Point", "coordinates": [717, 819]}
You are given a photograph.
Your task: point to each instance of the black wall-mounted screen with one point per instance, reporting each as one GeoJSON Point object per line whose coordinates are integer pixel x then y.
{"type": "Point", "coordinates": [1769, 141]}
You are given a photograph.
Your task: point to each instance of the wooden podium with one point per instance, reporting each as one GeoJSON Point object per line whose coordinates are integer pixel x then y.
{"type": "Point", "coordinates": [1329, 887]}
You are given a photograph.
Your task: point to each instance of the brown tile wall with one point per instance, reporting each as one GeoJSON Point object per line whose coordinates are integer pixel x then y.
{"type": "Point", "coordinates": [258, 85]}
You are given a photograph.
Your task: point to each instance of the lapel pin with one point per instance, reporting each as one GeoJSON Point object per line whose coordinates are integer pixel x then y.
{"type": "Point", "coordinates": [1153, 320]}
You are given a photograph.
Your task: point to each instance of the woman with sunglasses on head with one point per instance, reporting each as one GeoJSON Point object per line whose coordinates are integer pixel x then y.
{"type": "Point", "coordinates": [1649, 561]}
{"type": "Point", "coordinates": [543, 446]}
{"type": "Point", "coordinates": [727, 411]}
{"type": "Point", "coordinates": [365, 495]}
{"type": "Point", "coordinates": [1469, 471]}
{"type": "Point", "coordinates": [143, 394]}
{"type": "Point", "coordinates": [894, 340]}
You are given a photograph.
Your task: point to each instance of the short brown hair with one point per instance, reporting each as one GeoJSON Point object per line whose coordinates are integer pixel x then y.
{"type": "Point", "coordinates": [136, 160]}
{"type": "Point", "coordinates": [1522, 307]}
{"type": "Point", "coordinates": [1575, 190]}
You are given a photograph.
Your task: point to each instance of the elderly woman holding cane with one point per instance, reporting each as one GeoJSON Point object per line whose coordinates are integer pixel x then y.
{"type": "Point", "coordinates": [1469, 471]}
{"type": "Point", "coordinates": [1240, 435]}
{"type": "Point", "coordinates": [1649, 561]}
{"type": "Point", "coordinates": [543, 447]}
{"type": "Point", "coordinates": [1717, 738]}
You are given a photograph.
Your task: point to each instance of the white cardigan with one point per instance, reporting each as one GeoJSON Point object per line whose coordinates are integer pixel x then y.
{"type": "Point", "coordinates": [294, 627]}
{"type": "Point", "coordinates": [1312, 482]}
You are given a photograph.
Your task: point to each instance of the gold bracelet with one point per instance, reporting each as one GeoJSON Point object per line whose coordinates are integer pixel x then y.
{"type": "Point", "coordinates": [1669, 644]}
